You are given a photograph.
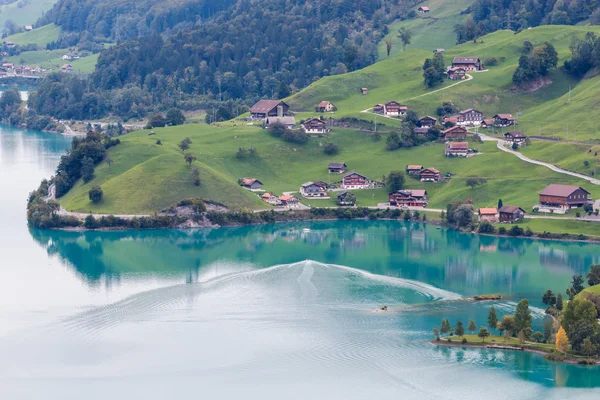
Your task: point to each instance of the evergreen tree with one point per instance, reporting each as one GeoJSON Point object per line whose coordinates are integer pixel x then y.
{"type": "Point", "coordinates": [523, 317]}
{"type": "Point", "coordinates": [460, 329]}
{"type": "Point", "coordinates": [492, 319]}
{"type": "Point", "coordinates": [559, 302]}
{"type": "Point", "coordinates": [472, 327]}
{"type": "Point", "coordinates": [483, 333]}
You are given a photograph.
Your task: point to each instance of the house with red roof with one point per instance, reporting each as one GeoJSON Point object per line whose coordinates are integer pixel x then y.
{"type": "Point", "coordinates": [457, 149]}
{"type": "Point", "coordinates": [409, 198]}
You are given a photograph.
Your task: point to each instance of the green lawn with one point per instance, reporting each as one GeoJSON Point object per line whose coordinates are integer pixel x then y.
{"type": "Point", "coordinates": [146, 177]}
{"type": "Point", "coordinates": [495, 339]}
{"type": "Point", "coordinates": [85, 65]}
{"type": "Point", "coordinates": [566, 155]}
{"type": "Point", "coordinates": [40, 36]}
{"type": "Point", "coordinates": [572, 227]}
{"type": "Point", "coordinates": [592, 289]}
{"type": "Point", "coordinates": [24, 12]}
{"type": "Point", "coordinates": [52, 59]}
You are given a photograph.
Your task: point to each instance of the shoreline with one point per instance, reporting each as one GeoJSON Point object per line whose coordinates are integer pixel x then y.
{"type": "Point", "coordinates": [566, 360]}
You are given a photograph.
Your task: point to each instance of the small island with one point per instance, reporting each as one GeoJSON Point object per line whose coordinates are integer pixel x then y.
{"type": "Point", "coordinates": [571, 331]}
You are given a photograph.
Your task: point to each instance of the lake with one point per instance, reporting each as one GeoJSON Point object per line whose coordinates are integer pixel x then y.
{"type": "Point", "coordinates": [273, 311]}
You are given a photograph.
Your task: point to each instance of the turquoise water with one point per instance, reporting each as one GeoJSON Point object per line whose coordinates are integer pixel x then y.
{"type": "Point", "coordinates": [276, 311]}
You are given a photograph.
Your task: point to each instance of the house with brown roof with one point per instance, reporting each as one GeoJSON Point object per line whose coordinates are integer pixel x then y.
{"type": "Point", "coordinates": [564, 196]}
{"type": "Point", "coordinates": [313, 189]}
{"type": "Point", "coordinates": [325, 106]}
{"type": "Point", "coordinates": [468, 63]}
{"type": "Point", "coordinates": [66, 68]}
{"type": "Point", "coordinates": [501, 120]}
{"type": "Point", "coordinates": [394, 109]}
{"type": "Point", "coordinates": [468, 117]}
{"type": "Point", "coordinates": [315, 125]}
{"type": "Point", "coordinates": [428, 121]}
{"type": "Point", "coordinates": [269, 108]}
{"type": "Point", "coordinates": [423, 9]}
{"type": "Point", "coordinates": [487, 123]}
{"type": "Point", "coordinates": [379, 108]}
{"type": "Point", "coordinates": [354, 180]}
{"type": "Point", "coordinates": [515, 137]}
{"type": "Point", "coordinates": [344, 199]}
{"type": "Point", "coordinates": [251, 183]}
{"type": "Point", "coordinates": [409, 198]}
{"type": "Point", "coordinates": [337, 167]}
{"type": "Point", "coordinates": [457, 149]}
{"type": "Point", "coordinates": [288, 200]}
{"type": "Point", "coordinates": [510, 214]}
{"type": "Point", "coordinates": [454, 133]}
{"type": "Point", "coordinates": [488, 214]}
{"type": "Point", "coordinates": [414, 170]}
{"type": "Point", "coordinates": [430, 175]}
{"type": "Point", "coordinates": [456, 73]}
{"type": "Point", "coordinates": [271, 199]}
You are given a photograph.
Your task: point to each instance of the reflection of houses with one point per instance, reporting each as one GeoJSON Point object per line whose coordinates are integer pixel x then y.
{"type": "Point", "coordinates": [337, 167]}
{"type": "Point", "coordinates": [488, 214]}
{"type": "Point", "coordinates": [269, 108]}
{"type": "Point", "coordinates": [454, 133]}
{"type": "Point", "coordinates": [315, 125]}
{"type": "Point", "coordinates": [511, 214]}
{"type": "Point", "coordinates": [409, 198]}
{"type": "Point", "coordinates": [564, 196]}
{"type": "Point", "coordinates": [354, 180]}
{"type": "Point", "coordinates": [430, 175]}
{"type": "Point", "coordinates": [468, 63]}
{"type": "Point", "coordinates": [251, 183]}
{"type": "Point", "coordinates": [457, 149]}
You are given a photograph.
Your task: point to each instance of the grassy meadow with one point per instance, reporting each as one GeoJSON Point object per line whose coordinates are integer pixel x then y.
{"type": "Point", "coordinates": [24, 13]}
{"type": "Point", "coordinates": [571, 156]}
{"type": "Point", "coordinates": [40, 36]}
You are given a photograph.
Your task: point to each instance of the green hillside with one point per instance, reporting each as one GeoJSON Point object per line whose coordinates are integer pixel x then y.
{"type": "Point", "coordinates": [429, 31]}
{"type": "Point", "coordinates": [40, 36]}
{"type": "Point", "coordinates": [24, 12]}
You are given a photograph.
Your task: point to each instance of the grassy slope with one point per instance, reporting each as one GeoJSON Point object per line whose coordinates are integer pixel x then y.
{"type": "Point", "coordinates": [52, 59]}
{"type": "Point", "coordinates": [25, 15]}
{"type": "Point", "coordinates": [432, 30]}
{"type": "Point", "coordinates": [156, 176]}
{"type": "Point", "coordinates": [566, 155]}
{"type": "Point", "coordinates": [40, 36]}
{"type": "Point", "coordinates": [592, 289]}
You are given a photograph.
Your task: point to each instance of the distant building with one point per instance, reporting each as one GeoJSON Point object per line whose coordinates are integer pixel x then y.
{"type": "Point", "coordinates": [289, 122]}
{"type": "Point", "coordinates": [488, 214]}
{"type": "Point", "coordinates": [364, 90]}
{"type": "Point", "coordinates": [456, 73]}
{"type": "Point", "coordinates": [394, 109]}
{"type": "Point", "coordinates": [510, 214]}
{"type": "Point", "coordinates": [487, 123]}
{"type": "Point", "coordinates": [315, 125]}
{"type": "Point", "coordinates": [430, 175]}
{"type": "Point", "coordinates": [345, 200]}
{"type": "Point", "coordinates": [468, 63]}
{"type": "Point", "coordinates": [355, 180]}
{"type": "Point", "coordinates": [289, 200]}
{"type": "Point", "coordinates": [409, 198]}
{"type": "Point", "coordinates": [8, 65]}
{"type": "Point", "coordinates": [325, 106]}
{"type": "Point", "coordinates": [457, 149]}
{"type": "Point", "coordinates": [454, 133]}
{"type": "Point", "coordinates": [421, 130]}
{"type": "Point", "coordinates": [515, 137]}
{"type": "Point", "coordinates": [66, 68]}
{"type": "Point", "coordinates": [502, 120]}
{"type": "Point", "coordinates": [423, 9]}
{"type": "Point", "coordinates": [428, 121]}
{"type": "Point", "coordinates": [414, 170]}
{"type": "Point", "coordinates": [564, 196]}
{"type": "Point", "coordinates": [337, 167]}
{"type": "Point", "coordinates": [251, 183]}
{"type": "Point", "coordinates": [312, 189]}
{"type": "Point", "coordinates": [271, 199]}
{"type": "Point", "coordinates": [269, 108]}
{"type": "Point", "coordinates": [468, 117]}
{"type": "Point", "coordinates": [28, 28]}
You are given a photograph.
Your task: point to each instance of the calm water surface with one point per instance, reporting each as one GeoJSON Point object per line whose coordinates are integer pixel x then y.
{"type": "Point", "coordinates": [261, 312]}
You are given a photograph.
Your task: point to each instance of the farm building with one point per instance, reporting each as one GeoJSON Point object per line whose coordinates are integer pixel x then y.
{"type": "Point", "coordinates": [409, 198]}
{"type": "Point", "coordinates": [488, 214]}
{"type": "Point", "coordinates": [354, 180]}
{"type": "Point", "coordinates": [457, 149]}
{"type": "Point", "coordinates": [430, 175]}
{"type": "Point", "coordinates": [269, 108]}
{"type": "Point", "coordinates": [337, 167]}
{"type": "Point", "coordinates": [325, 106]}
{"type": "Point", "coordinates": [564, 196]}
{"type": "Point", "coordinates": [468, 63]}
{"type": "Point", "coordinates": [251, 183]}
{"type": "Point", "coordinates": [510, 214]}
{"type": "Point", "coordinates": [315, 125]}
{"type": "Point", "coordinates": [515, 137]}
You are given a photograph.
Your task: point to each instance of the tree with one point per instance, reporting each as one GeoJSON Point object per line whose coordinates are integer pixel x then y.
{"type": "Point", "coordinates": [432, 77]}
{"type": "Point", "coordinates": [87, 169]}
{"type": "Point", "coordinates": [559, 302]}
{"type": "Point", "coordinates": [521, 337]}
{"type": "Point", "coordinates": [157, 120]}
{"type": "Point", "coordinates": [538, 336]}
{"type": "Point", "coordinates": [277, 129]}
{"type": "Point", "coordinates": [483, 333]}
{"type": "Point", "coordinates": [436, 332]}
{"type": "Point", "coordinates": [388, 45]}
{"type": "Point", "coordinates": [500, 204]}
{"type": "Point", "coordinates": [195, 173]}
{"type": "Point", "coordinates": [395, 181]}
{"type": "Point", "coordinates": [472, 327]}
{"type": "Point", "coordinates": [472, 182]}
{"type": "Point", "coordinates": [562, 340]}
{"type": "Point", "coordinates": [548, 328]}
{"type": "Point", "coordinates": [175, 117]}
{"type": "Point", "coordinates": [392, 142]}
{"type": "Point", "coordinates": [579, 319]}
{"type": "Point", "coordinates": [241, 153]}
{"type": "Point", "coordinates": [10, 101]}
{"type": "Point", "coordinates": [460, 329]}
{"type": "Point", "coordinates": [588, 349]}
{"type": "Point", "coordinates": [185, 144]}
{"type": "Point", "coordinates": [576, 286]}
{"type": "Point", "coordinates": [331, 149]}
{"type": "Point", "coordinates": [96, 194]}
{"type": "Point", "coordinates": [189, 158]}
{"type": "Point", "coordinates": [507, 324]}
{"type": "Point", "coordinates": [109, 161]}
{"type": "Point", "coordinates": [405, 36]}
{"type": "Point", "coordinates": [594, 275]}
{"type": "Point", "coordinates": [445, 328]}
{"type": "Point", "coordinates": [523, 316]}
{"type": "Point", "coordinates": [549, 298]}
{"type": "Point", "coordinates": [492, 319]}
{"type": "Point", "coordinates": [350, 198]}
{"type": "Point", "coordinates": [283, 91]}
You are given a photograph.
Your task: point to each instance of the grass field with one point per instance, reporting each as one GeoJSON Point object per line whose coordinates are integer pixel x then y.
{"type": "Point", "coordinates": [52, 60]}
{"type": "Point", "coordinates": [495, 339]}
{"type": "Point", "coordinates": [146, 177]}
{"type": "Point", "coordinates": [566, 155]}
{"type": "Point", "coordinates": [40, 36]}
{"type": "Point", "coordinates": [569, 226]}
{"type": "Point", "coordinates": [429, 31]}
{"type": "Point", "coordinates": [592, 289]}
{"type": "Point", "coordinates": [26, 14]}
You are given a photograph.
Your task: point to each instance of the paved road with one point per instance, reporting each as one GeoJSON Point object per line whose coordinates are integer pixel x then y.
{"type": "Point", "coordinates": [502, 146]}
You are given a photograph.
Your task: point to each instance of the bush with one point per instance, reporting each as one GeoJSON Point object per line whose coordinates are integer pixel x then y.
{"type": "Point", "coordinates": [486, 227]}
{"type": "Point", "coordinates": [464, 341]}
{"type": "Point", "coordinates": [158, 142]}
{"type": "Point", "coordinates": [502, 230]}
{"type": "Point", "coordinates": [157, 121]}
{"type": "Point", "coordinates": [490, 61]}
{"type": "Point", "coordinates": [90, 222]}
{"type": "Point", "coordinates": [331, 149]}
{"type": "Point", "coordinates": [175, 117]}
{"type": "Point", "coordinates": [96, 194]}
{"type": "Point", "coordinates": [516, 230]}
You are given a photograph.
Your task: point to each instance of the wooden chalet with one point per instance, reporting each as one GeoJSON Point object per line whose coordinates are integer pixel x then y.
{"type": "Point", "coordinates": [409, 198]}
{"type": "Point", "coordinates": [487, 123]}
{"type": "Point", "coordinates": [379, 109]}
{"type": "Point", "coordinates": [66, 68]}
{"type": "Point", "coordinates": [337, 167]}
{"type": "Point", "coordinates": [414, 170]}
{"type": "Point", "coordinates": [269, 108]}
{"type": "Point", "coordinates": [325, 106]}
{"type": "Point", "coordinates": [501, 120]}
{"type": "Point", "coordinates": [354, 180]}
{"type": "Point", "coordinates": [313, 189]}
{"type": "Point", "coordinates": [456, 73]}
{"type": "Point", "coordinates": [430, 175]}
{"type": "Point", "coordinates": [468, 63]}
{"type": "Point", "coordinates": [251, 183]}
{"type": "Point", "coordinates": [457, 149]}
{"type": "Point", "coordinates": [423, 9]}
{"type": "Point", "coordinates": [454, 133]}
{"type": "Point", "coordinates": [488, 214]}
{"type": "Point", "coordinates": [288, 200]}
{"type": "Point", "coordinates": [428, 121]}
{"type": "Point", "coordinates": [468, 117]}
{"type": "Point", "coordinates": [564, 196]}
{"type": "Point", "coordinates": [271, 199]}
{"type": "Point", "coordinates": [288, 122]}
{"type": "Point", "coordinates": [515, 137]}
{"type": "Point", "coordinates": [345, 200]}
{"type": "Point", "coordinates": [394, 109]}
{"type": "Point", "coordinates": [510, 214]}
{"type": "Point", "coordinates": [315, 125]}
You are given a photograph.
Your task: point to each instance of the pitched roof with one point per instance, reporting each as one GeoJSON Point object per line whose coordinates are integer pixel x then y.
{"type": "Point", "coordinates": [510, 209]}
{"type": "Point", "coordinates": [465, 60]}
{"type": "Point", "coordinates": [488, 211]}
{"type": "Point", "coordinates": [428, 117]}
{"type": "Point", "coordinates": [337, 165]}
{"type": "Point", "coordinates": [264, 106]}
{"type": "Point", "coordinates": [419, 167]}
{"type": "Point", "coordinates": [424, 8]}
{"type": "Point", "coordinates": [504, 116]}
{"type": "Point", "coordinates": [313, 121]}
{"type": "Point", "coordinates": [454, 128]}
{"type": "Point", "coordinates": [249, 181]}
{"type": "Point", "coordinates": [267, 195]}
{"type": "Point", "coordinates": [413, 192]}
{"type": "Point", "coordinates": [555, 189]}
{"type": "Point", "coordinates": [488, 121]}
{"type": "Point", "coordinates": [354, 173]}
{"type": "Point", "coordinates": [307, 184]}
{"type": "Point", "coordinates": [457, 145]}
{"type": "Point", "coordinates": [287, 197]}
{"type": "Point", "coordinates": [515, 134]}
{"type": "Point", "coordinates": [324, 103]}
{"type": "Point", "coordinates": [431, 169]}
{"type": "Point", "coordinates": [469, 110]}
